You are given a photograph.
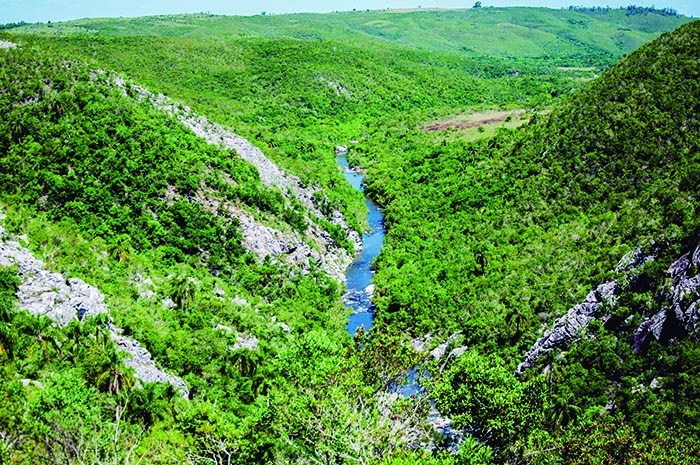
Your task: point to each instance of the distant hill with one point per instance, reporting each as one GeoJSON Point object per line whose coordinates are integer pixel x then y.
{"type": "Point", "coordinates": [559, 36]}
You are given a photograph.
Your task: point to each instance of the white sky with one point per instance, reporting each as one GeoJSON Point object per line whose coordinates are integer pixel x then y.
{"type": "Point", "coordinates": [62, 10]}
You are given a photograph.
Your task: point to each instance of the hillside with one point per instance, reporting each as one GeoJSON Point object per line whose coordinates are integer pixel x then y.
{"type": "Point", "coordinates": [549, 35]}
{"type": "Point", "coordinates": [498, 239]}
{"type": "Point", "coordinates": [122, 168]}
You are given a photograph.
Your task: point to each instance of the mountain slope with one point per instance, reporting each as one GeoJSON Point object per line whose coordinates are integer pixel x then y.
{"type": "Point", "coordinates": [496, 239]}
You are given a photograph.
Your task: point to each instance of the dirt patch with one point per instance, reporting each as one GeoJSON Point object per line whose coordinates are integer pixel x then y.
{"type": "Point", "coordinates": [463, 122]}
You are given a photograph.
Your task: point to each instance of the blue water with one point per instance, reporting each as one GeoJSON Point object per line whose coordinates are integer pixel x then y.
{"type": "Point", "coordinates": [358, 296]}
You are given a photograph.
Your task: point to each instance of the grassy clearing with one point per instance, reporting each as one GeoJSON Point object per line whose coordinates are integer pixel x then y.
{"type": "Point", "coordinates": [475, 125]}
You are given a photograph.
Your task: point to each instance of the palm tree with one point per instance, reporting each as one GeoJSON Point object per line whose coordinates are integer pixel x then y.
{"type": "Point", "coordinates": [8, 338]}
{"type": "Point", "coordinates": [8, 286]}
{"type": "Point", "coordinates": [561, 412]}
{"type": "Point", "coordinates": [47, 335]}
{"type": "Point", "coordinates": [183, 290]}
{"type": "Point", "coordinates": [518, 321]}
{"type": "Point", "coordinates": [113, 376]}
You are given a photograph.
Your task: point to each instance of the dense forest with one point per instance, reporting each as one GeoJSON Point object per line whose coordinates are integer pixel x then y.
{"type": "Point", "coordinates": [528, 162]}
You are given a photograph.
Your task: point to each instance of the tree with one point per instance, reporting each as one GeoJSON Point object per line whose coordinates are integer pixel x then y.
{"type": "Point", "coordinates": [477, 5]}
{"type": "Point", "coordinates": [8, 286]}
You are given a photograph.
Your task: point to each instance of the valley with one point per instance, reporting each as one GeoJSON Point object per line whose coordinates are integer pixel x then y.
{"type": "Point", "coordinates": [530, 176]}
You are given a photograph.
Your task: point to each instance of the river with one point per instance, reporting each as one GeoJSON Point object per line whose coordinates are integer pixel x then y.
{"type": "Point", "coordinates": [358, 297]}
{"type": "Point", "coordinates": [359, 288]}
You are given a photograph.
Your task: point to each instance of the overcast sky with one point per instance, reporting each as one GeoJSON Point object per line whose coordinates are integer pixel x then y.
{"type": "Point", "coordinates": [62, 10]}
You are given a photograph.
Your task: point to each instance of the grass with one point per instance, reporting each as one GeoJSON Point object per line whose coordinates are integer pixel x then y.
{"type": "Point", "coordinates": [476, 125]}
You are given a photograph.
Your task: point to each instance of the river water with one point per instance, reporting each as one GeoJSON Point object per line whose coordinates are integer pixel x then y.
{"type": "Point", "coordinates": [359, 288]}
{"type": "Point", "coordinates": [358, 297]}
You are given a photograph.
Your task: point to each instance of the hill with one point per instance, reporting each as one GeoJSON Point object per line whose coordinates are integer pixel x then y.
{"type": "Point", "coordinates": [494, 241]}
{"type": "Point", "coordinates": [560, 36]}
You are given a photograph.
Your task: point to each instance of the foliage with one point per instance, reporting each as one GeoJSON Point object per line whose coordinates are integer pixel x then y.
{"type": "Point", "coordinates": [492, 237]}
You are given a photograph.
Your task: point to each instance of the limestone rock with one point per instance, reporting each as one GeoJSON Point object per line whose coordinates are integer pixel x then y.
{"type": "Point", "coordinates": [683, 315]}
{"type": "Point", "coordinates": [315, 246]}
{"type": "Point", "coordinates": [42, 292]}
{"type": "Point", "coordinates": [567, 327]}
{"type": "Point", "coordinates": [145, 368]}
{"type": "Point", "coordinates": [679, 316]}
{"type": "Point", "coordinates": [440, 351]}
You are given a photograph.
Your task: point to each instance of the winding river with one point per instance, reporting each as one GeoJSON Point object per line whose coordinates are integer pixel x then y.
{"type": "Point", "coordinates": [358, 295]}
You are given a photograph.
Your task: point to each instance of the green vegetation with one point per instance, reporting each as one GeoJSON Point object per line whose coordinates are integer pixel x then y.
{"type": "Point", "coordinates": [493, 233]}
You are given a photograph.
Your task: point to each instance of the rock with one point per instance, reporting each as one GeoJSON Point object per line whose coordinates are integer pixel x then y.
{"type": "Point", "coordinates": [143, 365]}
{"type": "Point", "coordinates": [224, 328]}
{"type": "Point", "coordinates": [420, 344]}
{"type": "Point", "coordinates": [285, 327]}
{"type": "Point", "coordinates": [5, 44]}
{"type": "Point", "coordinates": [341, 150]}
{"type": "Point", "coordinates": [641, 336]}
{"type": "Point", "coordinates": [458, 352]}
{"type": "Point", "coordinates": [679, 267]}
{"type": "Point", "coordinates": [681, 315]}
{"type": "Point", "coordinates": [567, 328]}
{"type": "Point", "coordinates": [42, 292]}
{"type": "Point", "coordinates": [246, 342]}
{"type": "Point", "coordinates": [31, 382]}
{"type": "Point", "coordinates": [144, 286]}
{"type": "Point", "coordinates": [439, 352]}
{"type": "Point", "coordinates": [636, 258]}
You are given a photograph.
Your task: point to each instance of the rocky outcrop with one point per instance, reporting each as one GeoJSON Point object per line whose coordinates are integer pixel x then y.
{"type": "Point", "coordinates": [143, 365]}
{"type": "Point", "coordinates": [50, 294]}
{"type": "Point", "coordinates": [680, 313]}
{"type": "Point", "coordinates": [42, 292]}
{"type": "Point", "coordinates": [316, 246]}
{"type": "Point", "coordinates": [678, 316]}
{"type": "Point", "coordinates": [567, 328]}
{"type": "Point", "coordinates": [5, 44]}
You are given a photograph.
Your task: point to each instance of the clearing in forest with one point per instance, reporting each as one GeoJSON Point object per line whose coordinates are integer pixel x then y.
{"type": "Point", "coordinates": [480, 124]}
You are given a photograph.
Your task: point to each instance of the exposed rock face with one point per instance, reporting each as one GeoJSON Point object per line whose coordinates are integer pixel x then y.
{"type": "Point", "coordinates": [5, 44]}
{"type": "Point", "coordinates": [567, 327]}
{"type": "Point", "coordinates": [315, 246]}
{"type": "Point", "coordinates": [144, 366]}
{"type": "Point", "coordinates": [679, 315]}
{"type": "Point", "coordinates": [45, 293]}
{"type": "Point", "coordinates": [42, 292]}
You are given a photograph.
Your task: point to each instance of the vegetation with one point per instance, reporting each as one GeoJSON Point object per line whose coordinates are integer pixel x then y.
{"type": "Point", "coordinates": [492, 233]}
